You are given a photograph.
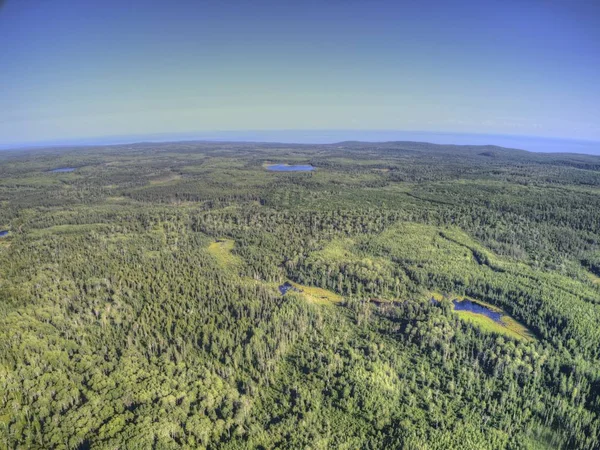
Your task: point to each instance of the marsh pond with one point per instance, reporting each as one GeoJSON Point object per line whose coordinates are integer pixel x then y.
{"type": "Point", "coordinates": [477, 308]}
{"type": "Point", "coordinates": [287, 286]}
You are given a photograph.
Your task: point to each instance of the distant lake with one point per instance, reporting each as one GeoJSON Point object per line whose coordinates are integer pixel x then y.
{"type": "Point", "coordinates": [3, 233]}
{"type": "Point", "coordinates": [476, 308]}
{"type": "Point", "coordinates": [290, 168]}
{"type": "Point", "coordinates": [63, 169]}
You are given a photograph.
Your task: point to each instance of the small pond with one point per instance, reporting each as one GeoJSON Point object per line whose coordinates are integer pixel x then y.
{"type": "Point", "coordinates": [3, 233]}
{"type": "Point", "coordinates": [63, 170]}
{"type": "Point", "coordinates": [286, 287]}
{"type": "Point", "coordinates": [476, 308]}
{"type": "Point", "coordinates": [290, 168]}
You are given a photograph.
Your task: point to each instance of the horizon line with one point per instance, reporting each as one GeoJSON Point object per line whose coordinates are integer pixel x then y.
{"type": "Point", "coordinates": [228, 136]}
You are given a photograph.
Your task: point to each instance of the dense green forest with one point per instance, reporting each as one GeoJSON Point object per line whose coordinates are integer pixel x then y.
{"type": "Point", "coordinates": [140, 304]}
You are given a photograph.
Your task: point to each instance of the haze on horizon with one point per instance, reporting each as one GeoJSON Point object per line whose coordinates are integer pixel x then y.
{"type": "Point", "coordinates": [77, 70]}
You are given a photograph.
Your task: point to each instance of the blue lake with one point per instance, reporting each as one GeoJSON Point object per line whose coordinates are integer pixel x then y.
{"type": "Point", "coordinates": [3, 233]}
{"type": "Point", "coordinates": [290, 168]}
{"type": "Point", "coordinates": [476, 308]}
{"type": "Point", "coordinates": [63, 169]}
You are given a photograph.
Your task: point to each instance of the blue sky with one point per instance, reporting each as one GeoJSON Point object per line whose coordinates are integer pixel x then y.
{"type": "Point", "coordinates": [85, 69]}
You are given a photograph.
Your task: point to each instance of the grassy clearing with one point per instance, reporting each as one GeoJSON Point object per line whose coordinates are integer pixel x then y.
{"type": "Point", "coordinates": [37, 181]}
{"type": "Point", "coordinates": [70, 229]}
{"type": "Point", "coordinates": [436, 296]}
{"type": "Point", "coordinates": [4, 242]}
{"type": "Point", "coordinates": [117, 199]}
{"type": "Point", "coordinates": [344, 251]}
{"type": "Point", "coordinates": [338, 249]}
{"type": "Point", "coordinates": [317, 295]}
{"type": "Point", "coordinates": [488, 325]}
{"type": "Point", "coordinates": [518, 328]}
{"type": "Point", "coordinates": [509, 326]}
{"type": "Point", "coordinates": [221, 251]}
{"type": "Point", "coordinates": [593, 278]}
{"type": "Point", "coordinates": [418, 244]}
{"type": "Point", "coordinates": [165, 179]}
